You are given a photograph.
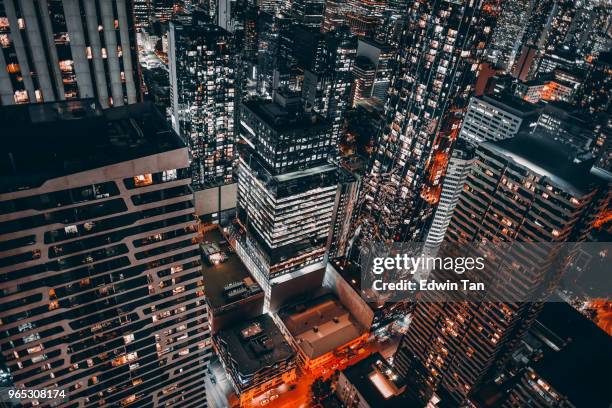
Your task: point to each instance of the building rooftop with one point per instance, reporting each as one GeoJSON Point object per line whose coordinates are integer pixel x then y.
{"type": "Point", "coordinates": [512, 104]}
{"type": "Point", "coordinates": [320, 325]}
{"type": "Point", "coordinates": [229, 280]}
{"type": "Point", "coordinates": [255, 344]}
{"type": "Point", "coordinates": [50, 140]}
{"type": "Point", "coordinates": [547, 158]}
{"type": "Point", "coordinates": [281, 119]}
{"type": "Point", "coordinates": [375, 388]}
{"type": "Point", "coordinates": [580, 368]}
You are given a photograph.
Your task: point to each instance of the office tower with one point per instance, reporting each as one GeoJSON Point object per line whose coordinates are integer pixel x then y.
{"type": "Point", "coordinates": [345, 210]}
{"type": "Point", "coordinates": [487, 119]}
{"type": "Point", "coordinates": [364, 16]}
{"type": "Point", "coordinates": [559, 58]}
{"type": "Point", "coordinates": [569, 126]}
{"type": "Point", "coordinates": [142, 13]}
{"type": "Point", "coordinates": [327, 78]}
{"type": "Point", "coordinates": [286, 192]}
{"type": "Point", "coordinates": [101, 284]}
{"type": "Point", "coordinates": [561, 337]}
{"type": "Point", "coordinates": [334, 15]}
{"type": "Point", "coordinates": [491, 118]}
{"type": "Point", "coordinates": [63, 50]}
{"type": "Point", "coordinates": [512, 182]}
{"type": "Point", "coordinates": [224, 15]}
{"type": "Point", "coordinates": [598, 84]}
{"type": "Point", "coordinates": [364, 72]}
{"type": "Point", "coordinates": [506, 39]}
{"type": "Point", "coordinates": [381, 55]}
{"type": "Point", "coordinates": [275, 45]}
{"type": "Point", "coordinates": [202, 74]}
{"type": "Point", "coordinates": [256, 357]}
{"type": "Point", "coordinates": [163, 10]}
{"type": "Point", "coordinates": [430, 90]}
{"type": "Point", "coordinates": [308, 13]}
{"type": "Point", "coordinates": [270, 6]}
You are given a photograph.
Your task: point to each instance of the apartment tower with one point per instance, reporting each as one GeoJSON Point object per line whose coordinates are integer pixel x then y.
{"type": "Point", "coordinates": [63, 50]}
{"type": "Point", "coordinates": [100, 275]}
{"type": "Point", "coordinates": [523, 189]}
{"type": "Point", "coordinates": [439, 59]}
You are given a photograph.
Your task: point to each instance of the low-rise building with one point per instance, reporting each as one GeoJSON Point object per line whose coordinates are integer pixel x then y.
{"type": "Point", "coordinates": [231, 292]}
{"type": "Point", "coordinates": [256, 357]}
{"type": "Point", "coordinates": [320, 329]}
{"type": "Point", "coordinates": [373, 383]}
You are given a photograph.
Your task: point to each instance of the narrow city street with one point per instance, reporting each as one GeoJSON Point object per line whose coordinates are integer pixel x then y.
{"type": "Point", "coordinates": [298, 395]}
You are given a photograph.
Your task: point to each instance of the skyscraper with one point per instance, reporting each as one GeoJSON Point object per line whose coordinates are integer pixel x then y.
{"type": "Point", "coordinates": [308, 13]}
{"type": "Point", "coordinates": [381, 55]}
{"type": "Point", "coordinates": [512, 183]}
{"type": "Point", "coordinates": [142, 13]}
{"type": "Point", "coordinates": [202, 75]}
{"type": "Point", "coordinates": [286, 190]}
{"type": "Point", "coordinates": [102, 293]}
{"type": "Point", "coordinates": [364, 16]}
{"type": "Point", "coordinates": [163, 10]}
{"type": "Point", "coordinates": [510, 27]}
{"type": "Point", "coordinates": [274, 49]}
{"type": "Point", "coordinates": [334, 14]}
{"type": "Point", "coordinates": [63, 50]}
{"type": "Point", "coordinates": [487, 119]}
{"type": "Point", "coordinates": [438, 63]}
{"type": "Point", "coordinates": [327, 79]}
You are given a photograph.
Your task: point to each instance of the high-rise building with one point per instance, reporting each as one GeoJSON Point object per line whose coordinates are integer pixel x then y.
{"type": "Point", "coordinates": [490, 118]}
{"type": "Point", "coordinates": [286, 191]}
{"type": "Point", "coordinates": [275, 48]}
{"type": "Point", "coordinates": [364, 16]}
{"type": "Point", "coordinates": [509, 30]}
{"type": "Point", "coordinates": [560, 338]}
{"type": "Point", "coordinates": [569, 126]}
{"type": "Point", "coordinates": [512, 183]}
{"type": "Point", "coordinates": [487, 119]}
{"type": "Point", "coordinates": [439, 60]}
{"type": "Point", "coordinates": [462, 158]}
{"type": "Point", "coordinates": [597, 85]}
{"type": "Point", "coordinates": [163, 10]}
{"type": "Point", "coordinates": [100, 276]}
{"type": "Point", "coordinates": [308, 13]}
{"type": "Point", "coordinates": [270, 6]}
{"type": "Point", "coordinates": [334, 15]}
{"type": "Point", "coordinates": [345, 210]}
{"type": "Point", "coordinates": [63, 50]}
{"type": "Point", "coordinates": [202, 75]}
{"type": "Point", "coordinates": [364, 72]}
{"type": "Point", "coordinates": [327, 80]}
{"type": "Point", "coordinates": [381, 55]}
{"type": "Point", "coordinates": [142, 13]}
